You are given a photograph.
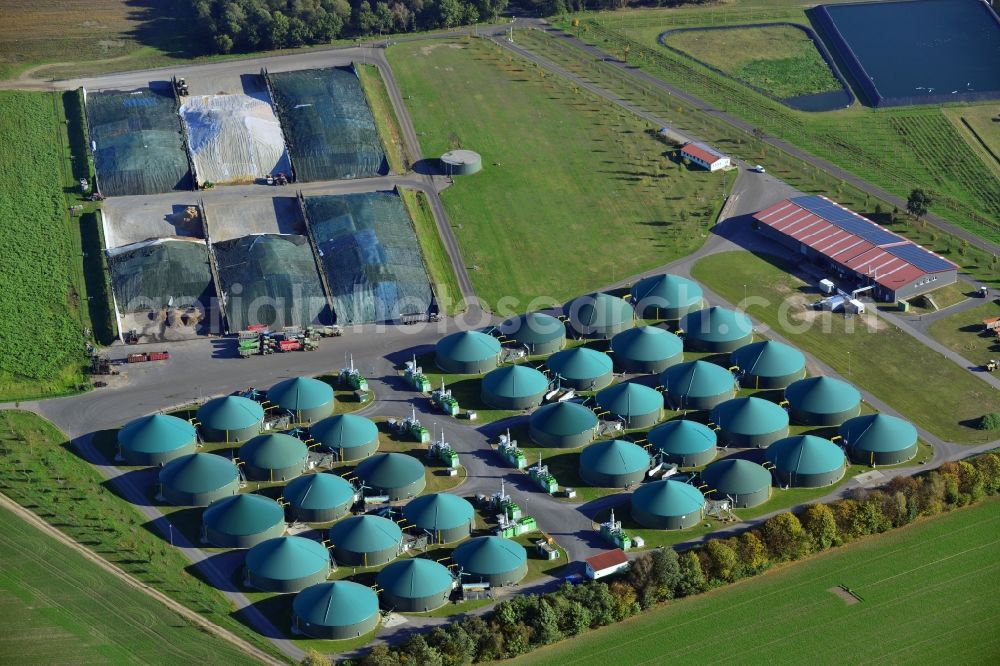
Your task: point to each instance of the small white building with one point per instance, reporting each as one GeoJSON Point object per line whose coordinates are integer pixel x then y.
{"type": "Point", "coordinates": [705, 156]}
{"type": "Point", "coordinates": [607, 563]}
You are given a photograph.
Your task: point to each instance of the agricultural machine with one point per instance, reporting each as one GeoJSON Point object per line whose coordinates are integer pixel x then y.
{"type": "Point", "coordinates": [259, 340]}
{"type": "Point", "coordinates": [443, 400]}
{"type": "Point", "coordinates": [512, 455]}
{"type": "Point", "coordinates": [540, 475]}
{"type": "Point", "coordinates": [414, 375]}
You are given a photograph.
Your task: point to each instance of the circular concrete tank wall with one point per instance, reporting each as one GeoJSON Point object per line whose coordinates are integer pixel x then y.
{"type": "Point", "coordinates": [805, 461]}
{"type": "Point", "coordinates": [750, 422]}
{"type": "Point", "coordinates": [336, 610]}
{"type": "Point", "coordinates": [614, 463]}
{"type": "Point", "coordinates": [467, 353]}
{"type": "Point", "coordinates": [746, 483]}
{"type": "Point", "coordinates": [716, 330]}
{"type": "Point", "coordinates": [319, 498]}
{"type": "Point", "coordinates": [198, 479]}
{"type": "Point", "coordinates": [698, 385]}
{"type": "Point", "coordinates": [242, 521]}
{"type": "Point", "coordinates": [822, 401]}
{"type": "Point", "coordinates": [581, 368]}
{"type": "Point", "coordinates": [396, 475]}
{"type": "Point", "coordinates": [768, 364]}
{"type": "Point", "coordinates": [637, 405]}
{"type": "Point", "coordinates": [685, 443]}
{"type": "Point", "coordinates": [562, 425]}
{"type": "Point", "coordinates": [156, 440]}
{"type": "Point", "coordinates": [666, 297]}
{"type": "Point", "coordinates": [540, 334]}
{"type": "Point", "coordinates": [514, 387]}
{"type": "Point", "coordinates": [879, 439]}
{"type": "Point", "coordinates": [646, 349]}
{"type": "Point", "coordinates": [667, 505]}
{"type": "Point", "coordinates": [599, 315]}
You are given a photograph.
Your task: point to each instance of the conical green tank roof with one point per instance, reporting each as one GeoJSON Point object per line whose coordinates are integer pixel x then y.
{"type": "Point", "coordinates": [880, 433]}
{"type": "Point", "coordinates": [533, 328]}
{"type": "Point", "coordinates": [822, 395]}
{"type": "Point", "coordinates": [300, 393]}
{"type": "Point", "coordinates": [697, 379]}
{"type": "Point", "coordinates": [365, 534]}
{"type": "Point", "coordinates": [341, 603]}
{"type": "Point", "coordinates": [630, 399]}
{"type": "Point", "coordinates": [440, 511]}
{"type": "Point", "coordinates": [288, 558]}
{"type": "Point", "coordinates": [490, 555]}
{"type": "Point", "coordinates": [646, 344]}
{"type": "Point", "coordinates": [614, 456]}
{"type": "Point", "coordinates": [231, 412]}
{"type": "Point", "coordinates": [468, 346]}
{"type": "Point", "coordinates": [157, 433]}
{"type": "Point", "coordinates": [805, 454]}
{"type": "Point", "coordinates": [515, 381]}
{"type": "Point", "coordinates": [243, 515]}
{"type": "Point", "coordinates": [716, 324]}
{"type": "Point", "coordinates": [598, 310]}
{"type": "Point", "coordinates": [682, 437]}
{"type": "Point", "coordinates": [414, 578]}
{"type": "Point", "coordinates": [768, 359]}
{"type": "Point", "coordinates": [749, 416]}
{"type": "Point", "coordinates": [319, 491]}
{"type": "Point", "coordinates": [390, 470]}
{"type": "Point", "coordinates": [563, 419]}
{"type": "Point", "coordinates": [666, 291]}
{"type": "Point", "coordinates": [344, 431]}
{"type": "Point", "coordinates": [274, 451]}
{"type": "Point", "coordinates": [668, 498]}
{"type": "Point", "coordinates": [580, 364]}
{"type": "Point", "coordinates": [736, 476]}
{"type": "Point", "coordinates": [198, 473]}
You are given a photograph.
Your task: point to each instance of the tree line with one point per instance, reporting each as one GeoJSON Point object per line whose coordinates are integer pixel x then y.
{"type": "Point", "coordinates": [526, 622]}
{"type": "Point", "coordinates": [255, 25]}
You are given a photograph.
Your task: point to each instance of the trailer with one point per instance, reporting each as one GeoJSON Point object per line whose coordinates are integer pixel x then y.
{"type": "Point", "coordinates": [145, 357]}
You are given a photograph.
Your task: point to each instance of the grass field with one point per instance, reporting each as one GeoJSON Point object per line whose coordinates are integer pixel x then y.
{"type": "Point", "coordinates": [439, 268]}
{"type": "Point", "coordinates": [779, 59]}
{"type": "Point", "coordinates": [981, 131]}
{"type": "Point", "coordinates": [566, 176]}
{"type": "Point", "coordinates": [963, 333]}
{"type": "Point", "coordinates": [39, 471]}
{"type": "Point", "coordinates": [896, 149]}
{"type": "Point", "coordinates": [876, 356]}
{"type": "Point", "coordinates": [385, 118]}
{"type": "Point", "coordinates": [943, 297]}
{"type": "Point", "coordinates": [55, 603]}
{"type": "Point", "coordinates": [927, 597]}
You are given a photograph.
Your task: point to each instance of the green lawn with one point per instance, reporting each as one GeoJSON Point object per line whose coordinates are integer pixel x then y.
{"type": "Point", "coordinates": [964, 334]}
{"type": "Point", "coordinates": [928, 596]}
{"type": "Point", "coordinates": [439, 268]}
{"type": "Point", "coordinates": [896, 149]}
{"type": "Point", "coordinates": [875, 356]}
{"type": "Point", "coordinates": [385, 118]}
{"type": "Point", "coordinates": [39, 471]}
{"type": "Point", "coordinates": [779, 59]}
{"type": "Point", "coordinates": [54, 603]}
{"type": "Point", "coordinates": [943, 297]}
{"type": "Point", "coordinates": [566, 178]}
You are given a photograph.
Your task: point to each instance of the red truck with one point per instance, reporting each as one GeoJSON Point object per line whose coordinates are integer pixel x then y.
{"type": "Point", "coordinates": [148, 356]}
{"type": "Point", "coordinates": [290, 345]}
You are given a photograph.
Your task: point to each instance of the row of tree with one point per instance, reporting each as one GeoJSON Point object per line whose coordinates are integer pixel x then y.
{"type": "Point", "coordinates": [529, 621]}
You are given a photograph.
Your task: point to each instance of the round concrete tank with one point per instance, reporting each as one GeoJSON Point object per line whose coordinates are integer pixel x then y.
{"type": "Point", "coordinates": [335, 611]}
{"type": "Point", "coordinates": [319, 498]}
{"type": "Point", "coordinates": [230, 419]}
{"type": "Point", "coordinates": [750, 422]}
{"type": "Point", "coordinates": [562, 425]}
{"type": "Point", "coordinates": [306, 399]}
{"type": "Point", "coordinates": [684, 443]}
{"type": "Point", "coordinates": [242, 521]}
{"type": "Point", "coordinates": [716, 330]}
{"type": "Point", "coordinates": [396, 475]}
{"type": "Point", "coordinates": [274, 457]}
{"type": "Point", "coordinates": [581, 368]}
{"type": "Point", "coordinates": [540, 334]}
{"type": "Point", "coordinates": [514, 387]}
{"type": "Point", "coordinates": [461, 163]}
{"type": "Point", "coordinates": [698, 385]}
{"type": "Point", "coordinates": [492, 560]}
{"type": "Point", "coordinates": [467, 353]}
{"type": "Point", "coordinates": [614, 463]}
{"type": "Point", "coordinates": [415, 585]}
{"type": "Point", "coordinates": [768, 364]}
{"type": "Point", "coordinates": [805, 461]}
{"type": "Point", "coordinates": [286, 564]}
{"type": "Point", "coordinates": [822, 401]}
{"type": "Point", "coordinates": [156, 440]}
{"type": "Point", "coordinates": [666, 297]}
{"type": "Point", "coordinates": [746, 483]}
{"type": "Point", "coordinates": [350, 436]}
{"type": "Point", "coordinates": [599, 315]}
{"type": "Point", "coordinates": [636, 404]}
{"type": "Point", "coordinates": [667, 505]}
{"type": "Point", "coordinates": [198, 479]}
{"type": "Point", "coordinates": [879, 439]}
{"type": "Point", "coordinates": [646, 349]}
{"type": "Point", "coordinates": [448, 518]}
{"type": "Point", "coordinates": [365, 541]}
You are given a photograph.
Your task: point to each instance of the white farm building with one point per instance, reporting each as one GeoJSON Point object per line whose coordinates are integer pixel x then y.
{"type": "Point", "coordinates": [705, 156]}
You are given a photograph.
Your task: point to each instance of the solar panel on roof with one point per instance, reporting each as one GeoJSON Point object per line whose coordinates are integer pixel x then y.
{"type": "Point", "coordinates": [921, 258]}
{"type": "Point", "coordinates": [846, 220]}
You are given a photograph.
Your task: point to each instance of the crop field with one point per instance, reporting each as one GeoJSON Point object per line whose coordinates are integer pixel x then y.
{"type": "Point", "coordinates": [54, 603]}
{"type": "Point", "coordinates": [896, 149]}
{"type": "Point", "coordinates": [875, 356]}
{"type": "Point", "coordinates": [42, 301]}
{"type": "Point", "coordinates": [927, 596]}
{"type": "Point", "coordinates": [566, 176]}
{"type": "Point", "coordinates": [779, 59]}
{"type": "Point", "coordinates": [49, 31]}
{"type": "Point", "coordinates": [963, 333]}
{"type": "Point", "coordinates": [39, 471]}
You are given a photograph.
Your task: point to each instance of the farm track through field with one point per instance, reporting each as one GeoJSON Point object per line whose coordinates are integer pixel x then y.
{"type": "Point", "coordinates": [180, 609]}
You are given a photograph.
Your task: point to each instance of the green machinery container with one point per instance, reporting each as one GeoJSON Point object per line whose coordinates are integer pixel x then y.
{"type": "Point", "coordinates": [511, 453]}
{"type": "Point", "coordinates": [414, 376]}
{"type": "Point", "coordinates": [525, 525]}
{"type": "Point", "coordinates": [612, 532]}
{"type": "Point", "coordinates": [411, 427]}
{"type": "Point", "coordinates": [351, 378]}
{"type": "Point", "coordinates": [444, 453]}
{"type": "Point", "coordinates": [541, 476]}
{"type": "Point", "coordinates": [444, 401]}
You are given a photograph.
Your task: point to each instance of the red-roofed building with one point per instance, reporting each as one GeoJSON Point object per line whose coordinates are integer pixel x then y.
{"type": "Point", "coordinates": [705, 156]}
{"type": "Point", "coordinates": [607, 563]}
{"type": "Point", "coordinates": [856, 249]}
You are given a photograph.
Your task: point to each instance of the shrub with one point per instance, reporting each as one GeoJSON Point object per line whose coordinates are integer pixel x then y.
{"type": "Point", "coordinates": [990, 421]}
